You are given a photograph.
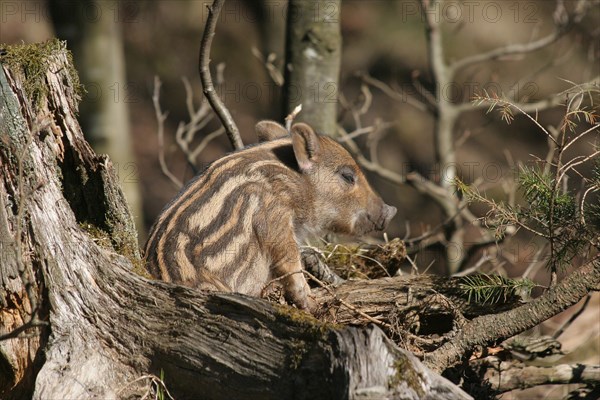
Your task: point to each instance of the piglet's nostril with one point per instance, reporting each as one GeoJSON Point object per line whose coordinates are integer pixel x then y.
{"type": "Point", "coordinates": [389, 212]}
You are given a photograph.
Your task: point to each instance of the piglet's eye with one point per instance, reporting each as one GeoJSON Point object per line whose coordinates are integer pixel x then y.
{"type": "Point", "coordinates": [348, 176]}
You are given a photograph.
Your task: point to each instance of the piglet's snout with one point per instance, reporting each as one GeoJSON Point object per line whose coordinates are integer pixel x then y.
{"type": "Point", "coordinates": [387, 213]}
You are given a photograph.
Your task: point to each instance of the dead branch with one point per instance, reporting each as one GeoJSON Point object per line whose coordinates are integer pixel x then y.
{"type": "Point", "coordinates": [186, 132]}
{"type": "Point", "coordinates": [289, 119]}
{"type": "Point", "coordinates": [268, 62]}
{"type": "Point", "coordinates": [209, 90]}
{"type": "Point", "coordinates": [400, 96]}
{"type": "Point", "coordinates": [563, 24]}
{"type": "Point", "coordinates": [504, 376]}
{"type": "Point", "coordinates": [161, 117]}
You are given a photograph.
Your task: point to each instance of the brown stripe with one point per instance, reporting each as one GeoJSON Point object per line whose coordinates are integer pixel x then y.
{"type": "Point", "coordinates": [187, 271]}
{"type": "Point", "coordinates": [229, 253]}
{"type": "Point", "coordinates": [233, 220]}
{"type": "Point", "coordinates": [181, 207]}
{"type": "Point", "coordinates": [207, 212]}
{"type": "Point", "coordinates": [181, 203]}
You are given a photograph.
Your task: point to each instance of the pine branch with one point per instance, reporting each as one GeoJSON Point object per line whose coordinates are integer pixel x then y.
{"type": "Point", "coordinates": [493, 328]}
{"type": "Point", "coordinates": [493, 289]}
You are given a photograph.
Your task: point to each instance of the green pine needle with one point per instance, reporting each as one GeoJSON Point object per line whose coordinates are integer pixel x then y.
{"type": "Point", "coordinates": [494, 289]}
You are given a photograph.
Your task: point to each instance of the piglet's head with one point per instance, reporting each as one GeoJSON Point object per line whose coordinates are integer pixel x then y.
{"type": "Point", "coordinates": [344, 202]}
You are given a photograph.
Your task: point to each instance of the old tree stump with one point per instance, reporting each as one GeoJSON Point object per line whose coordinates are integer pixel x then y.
{"type": "Point", "coordinates": [79, 322]}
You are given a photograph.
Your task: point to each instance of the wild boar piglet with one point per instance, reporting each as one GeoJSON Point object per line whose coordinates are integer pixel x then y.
{"type": "Point", "coordinates": [238, 225]}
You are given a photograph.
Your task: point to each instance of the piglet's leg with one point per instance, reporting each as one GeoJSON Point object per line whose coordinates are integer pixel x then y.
{"type": "Point", "coordinates": [287, 264]}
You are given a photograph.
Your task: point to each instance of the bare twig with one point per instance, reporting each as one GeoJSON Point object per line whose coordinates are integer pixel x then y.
{"type": "Point", "coordinates": [582, 134]}
{"type": "Point", "coordinates": [263, 291]}
{"type": "Point", "coordinates": [564, 23]}
{"type": "Point", "coordinates": [357, 132]}
{"type": "Point", "coordinates": [448, 204]}
{"type": "Point", "coordinates": [272, 70]}
{"type": "Point", "coordinates": [291, 117]}
{"type": "Point", "coordinates": [433, 231]}
{"type": "Point", "coordinates": [205, 141]}
{"type": "Point", "coordinates": [575, 162]}
{"type": "Point", "coordinates": [413, 264]}
{"type": "Point", "coordinates": [582, 203]}
{"type": "Point", "coordinates": [400, 96]}
{"type": "Point", "coordinates": [447, 115]}
{"type": "Point", "coordinates": [537, 263]}
{"type": "Point", "coordinates": [485, 258]}
{"type": "Point", "coordinates": [209, 91]}
{"type": "Point", "coordinates": [161, 117]}
{"type": "Point", "coordinates": [512, 49]}
{"type": "Point", "coordinates": [158, 383]}
{"type": "Point", "coordinates": [198, 118]}
{"type": "Point", "coordinates": [430, 97]}
{"type": "Point", "coordinates": [186, 132]}
{"type": "Point", "coordinates": [19, 332]}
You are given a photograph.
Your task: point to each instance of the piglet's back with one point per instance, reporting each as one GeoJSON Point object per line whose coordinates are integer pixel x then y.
{"type": "Point", "coordinates": [214, 233]}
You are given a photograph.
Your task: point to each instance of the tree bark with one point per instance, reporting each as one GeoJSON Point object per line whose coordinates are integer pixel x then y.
{"type": "Point", "coordinates": [312, 65]}
{"type": "Point", "coordinates": [93, 32]}
{"type": "Point", "coordinates": [63, 211]}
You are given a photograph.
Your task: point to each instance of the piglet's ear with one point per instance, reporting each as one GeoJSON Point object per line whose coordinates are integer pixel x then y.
{"type": "Point", "coordinates": [306, 146]}
{"type": "Point", "coordinates": [269, 130]}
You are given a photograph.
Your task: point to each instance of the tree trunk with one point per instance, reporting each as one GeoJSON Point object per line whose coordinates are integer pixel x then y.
{"type": "Point", "coordinates": [72, 248]}
{"type": "Point", "coordinates": [312, 65]}
{"type": "Point", "coordinates": [93, 32]}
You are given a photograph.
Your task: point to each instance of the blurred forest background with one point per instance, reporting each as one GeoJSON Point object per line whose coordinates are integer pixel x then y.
{"type": "Point", "coordinates": [382, 39]}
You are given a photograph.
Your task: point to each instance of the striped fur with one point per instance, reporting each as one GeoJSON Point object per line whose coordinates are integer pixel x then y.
{"type": "Point", "coordinates": [237, 225]}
